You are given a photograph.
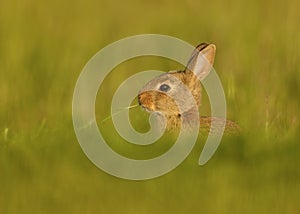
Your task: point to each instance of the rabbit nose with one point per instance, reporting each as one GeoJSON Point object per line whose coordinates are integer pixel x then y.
{"type": "Point", "coordinates": [139, 99]}
{"type": "Point", "coordinates": [145, 100]}
{"type": "Point", "coordinates": [142, 99]}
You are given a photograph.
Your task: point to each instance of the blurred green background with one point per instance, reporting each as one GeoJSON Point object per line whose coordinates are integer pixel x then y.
{"type": "Point", "coordinates": [45, 44]}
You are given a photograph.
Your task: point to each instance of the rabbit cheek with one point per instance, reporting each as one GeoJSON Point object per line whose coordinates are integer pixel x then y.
{"type": "Point", "coordinates": [165, 104]}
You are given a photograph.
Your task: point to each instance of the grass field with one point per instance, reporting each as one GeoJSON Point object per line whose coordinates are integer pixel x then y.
{"type": "Point", "coordinates": [45, 44]}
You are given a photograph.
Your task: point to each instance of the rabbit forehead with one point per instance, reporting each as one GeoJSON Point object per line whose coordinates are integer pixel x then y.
{"type": "Point", "coordinates": [162, 79]}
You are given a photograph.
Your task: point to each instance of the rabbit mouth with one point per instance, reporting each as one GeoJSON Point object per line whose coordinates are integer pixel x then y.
{"type": "Point", "coordinates": [147, 108]}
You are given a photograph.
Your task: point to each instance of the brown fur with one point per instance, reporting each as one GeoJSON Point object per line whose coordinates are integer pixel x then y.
{"type": "Point", "coordinates": [154, 100]}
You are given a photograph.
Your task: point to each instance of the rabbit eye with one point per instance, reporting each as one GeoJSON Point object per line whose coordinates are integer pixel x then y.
{"type": "Point", "coordinates": [164, 88]}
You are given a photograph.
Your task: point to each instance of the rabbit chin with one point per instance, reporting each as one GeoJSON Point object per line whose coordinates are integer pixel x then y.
{"type": "Point", "coordinates": [174, 121]}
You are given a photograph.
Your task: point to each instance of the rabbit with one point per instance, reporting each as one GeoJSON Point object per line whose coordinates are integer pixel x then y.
{"type": "Point", "coordinates": [158, 94]}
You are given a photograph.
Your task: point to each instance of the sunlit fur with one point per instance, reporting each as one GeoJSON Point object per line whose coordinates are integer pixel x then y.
{"type": "Point", "coordinates": [156, 101]}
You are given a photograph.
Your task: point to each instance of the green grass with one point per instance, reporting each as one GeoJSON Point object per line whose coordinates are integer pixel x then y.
{"type": "Point", "coordinates": [44, 46]}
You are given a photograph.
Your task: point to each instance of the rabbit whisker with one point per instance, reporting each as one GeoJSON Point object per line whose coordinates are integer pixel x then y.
{"type": "Point", "coordinates": [133, 106]}
{"type": "Point", "coordinates": [114, 114]}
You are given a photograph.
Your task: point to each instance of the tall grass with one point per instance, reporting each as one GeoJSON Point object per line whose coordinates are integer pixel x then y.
{"type": "Point", "coordinates": [44, 46]}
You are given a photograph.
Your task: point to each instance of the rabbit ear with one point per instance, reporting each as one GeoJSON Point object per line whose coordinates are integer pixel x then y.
{"type": "Point", "coordinates": [201, 60]}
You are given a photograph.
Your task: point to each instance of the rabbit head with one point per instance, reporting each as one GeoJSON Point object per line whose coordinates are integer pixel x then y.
{"type": "Point", "coordinates": [165, 92]}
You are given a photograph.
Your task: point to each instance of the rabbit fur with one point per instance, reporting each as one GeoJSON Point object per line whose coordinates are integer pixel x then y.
{"type": "Point", "coordinates": [176, 93]}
